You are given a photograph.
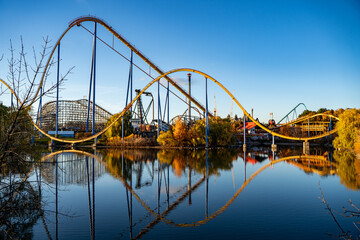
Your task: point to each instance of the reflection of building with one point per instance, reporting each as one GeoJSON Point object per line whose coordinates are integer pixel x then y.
{"type": "Point", "coordinates": [255, 157]}
{"type": "Point", "coordinates": [316, 165]}
{"type": "Point", "coordinates": [72, 116]}
{"type": "Point", "coordinates": [72, 169]}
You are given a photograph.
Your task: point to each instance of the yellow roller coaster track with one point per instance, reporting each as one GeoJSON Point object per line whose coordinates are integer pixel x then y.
{"type": "Point", "coordinates": [163, 76]}
{"type": "Point", "coordinates": [78, 21]}
{"type": "Point", "coordinates": [309, 117]}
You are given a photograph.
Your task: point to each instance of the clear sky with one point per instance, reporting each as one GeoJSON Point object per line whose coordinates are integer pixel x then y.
{"type": "Point", "coordinates": [272, 54]}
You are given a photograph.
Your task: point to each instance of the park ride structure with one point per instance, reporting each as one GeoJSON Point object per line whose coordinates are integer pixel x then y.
{"type": "Point", "coordinates": [202, 110]}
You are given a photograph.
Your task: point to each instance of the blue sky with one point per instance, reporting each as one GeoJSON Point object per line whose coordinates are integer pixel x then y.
{"type": "Point", "coordinates": [272, 54]}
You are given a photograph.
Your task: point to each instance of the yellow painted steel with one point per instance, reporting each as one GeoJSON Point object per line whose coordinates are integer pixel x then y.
{"type": "Point", "coordinates": [78, 21]}
{"type": "Point", "coordinates": [241, 107]}
{"type": "Point", "coordinates": [11, 90]}
{"type": "Point", "coordinates": [309, 117]}
{"type": "Point", "coordinates": [163, 76]}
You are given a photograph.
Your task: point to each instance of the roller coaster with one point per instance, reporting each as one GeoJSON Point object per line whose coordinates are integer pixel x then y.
{"type": "Point", "coordinates": [200, 108]}
{"type": "Point", "coordinates": [72, 115]}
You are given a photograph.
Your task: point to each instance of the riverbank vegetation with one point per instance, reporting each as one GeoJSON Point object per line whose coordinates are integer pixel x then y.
{"type": "Point", "coordinates": [116, 129]}
{"type": "Point", "coordinates": [348, 127]}
{"type": "Point", "coordinates": [193, 135]}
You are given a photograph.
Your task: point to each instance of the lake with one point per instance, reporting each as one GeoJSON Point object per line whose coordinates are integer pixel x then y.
{"type": "Point", "coordinates": [184, 194]}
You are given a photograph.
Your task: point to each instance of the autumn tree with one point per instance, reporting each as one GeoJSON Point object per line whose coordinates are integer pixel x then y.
{"type": "Point", "coordinates": [180, 132]}
{"type": "Point", "coordinates": [348, 128]}
{"type": "Point", "coordinates": [197, 133]}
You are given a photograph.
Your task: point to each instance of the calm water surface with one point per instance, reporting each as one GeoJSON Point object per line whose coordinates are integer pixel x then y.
{"type": "Point", "coordinates": [148, 194]}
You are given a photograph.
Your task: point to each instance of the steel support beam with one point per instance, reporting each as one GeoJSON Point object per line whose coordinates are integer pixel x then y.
{"type": "Point", "coordinates": [57, 92]}
{"type": "Point", "coordinates": [206, 115]}
{"type": "Point", "coordinates": [94, 77]}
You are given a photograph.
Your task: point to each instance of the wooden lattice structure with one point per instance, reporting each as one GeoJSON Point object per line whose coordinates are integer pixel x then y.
{"type": "Point", "coordinates": [73, 115]}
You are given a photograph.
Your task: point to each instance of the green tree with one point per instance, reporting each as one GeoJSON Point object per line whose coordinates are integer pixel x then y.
{"type": "Point", "coordinates": [220, 132]}
{"type": "Point", "coordinates": [306, 112]}
{"type": "Point", "coordinates": [115, 130]}
{"type": "Point", "coordinates": [322, 110]}
{"type": "Point", "coordinates": [348, 128]}
{"type": "Point", "coordinates": [167, 139]}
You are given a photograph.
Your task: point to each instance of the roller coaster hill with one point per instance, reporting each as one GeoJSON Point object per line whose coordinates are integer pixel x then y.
{"type": "Point", "coordinates": [149, 113]}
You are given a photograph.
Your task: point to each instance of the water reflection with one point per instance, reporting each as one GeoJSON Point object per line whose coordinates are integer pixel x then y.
{"type": "Point", "coordinates": [72, 168]}
{"type": "Point", "coordinates": [349, 169]}
{"type": "Point", "coordinates": [160, 181]}
{"type": "Point", "coordinates": [20, 206]}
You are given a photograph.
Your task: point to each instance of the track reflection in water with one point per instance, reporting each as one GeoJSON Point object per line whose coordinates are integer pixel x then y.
{"type": "Point", "coordinates": [152, 177]}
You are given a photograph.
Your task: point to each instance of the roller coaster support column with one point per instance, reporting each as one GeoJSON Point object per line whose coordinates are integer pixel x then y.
{"type": "Point", "coordinates": [127, 94]}
{"type": "Point", "coordinates": [308, 128]}
{"type": "Point", "coordinates": [90, 86]}
{"type": "Point", "coordinates": [40, 107]}
{"type": "Point", "coordinates": [244, 144]}
{"type": "Point", "coordinates": [168, 103]}
{"type": "Point", "coordinates": [189, 111]}
{"type": "Point", "coordinates": [273, 145]}
{"type": "Point", "coordinates": [159, 106]}
{"type": "Point", "coordinates": [330, 127]}
{"type": "Point", "coordinates": [12, 101]}
{"type": "Point", "coordinates": [57, 93]}
{"type": "Point", "coordinates": [206, 115]}
{"type": "Point", "coordinates": [94, 76]}
{"type": "Point", "coordinates": [306, 148]}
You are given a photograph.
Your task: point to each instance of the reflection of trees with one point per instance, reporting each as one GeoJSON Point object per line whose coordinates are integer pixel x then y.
{"type": "Point", "coordinates": [114, 163]}
{"type": "Point", "coordinates": [219, 159]}
{"type": "Point", "coordinates": [19, 207]}
{"type": "Point", "coordinates": [349, 169]}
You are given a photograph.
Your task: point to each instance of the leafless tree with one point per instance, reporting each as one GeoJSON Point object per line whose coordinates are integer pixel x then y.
{"type": "Point", "coordinates": [24, 79]}
{"type": "Point", "coordinates": [19, 202]}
